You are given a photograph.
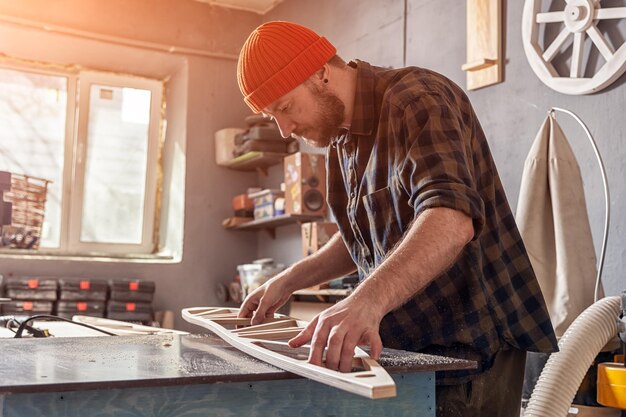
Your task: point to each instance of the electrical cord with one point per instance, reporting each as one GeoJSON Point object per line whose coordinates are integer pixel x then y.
{"type": "Point", "coordinates": [607, 198]}
{"type": "Point", "coordinates": [44, 333]}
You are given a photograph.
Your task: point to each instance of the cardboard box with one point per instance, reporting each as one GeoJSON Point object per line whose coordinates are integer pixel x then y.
{"type": "Point", "coordinates": [315, 235]}
{"type": "Point", "coordinates": [264, 203]}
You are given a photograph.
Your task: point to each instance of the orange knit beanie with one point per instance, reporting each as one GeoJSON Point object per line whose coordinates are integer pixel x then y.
{"type": "Point", "coordinates": [276, 58]}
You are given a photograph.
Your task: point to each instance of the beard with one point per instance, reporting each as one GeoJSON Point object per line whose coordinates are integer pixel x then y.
{"type": "Point", "coordinates": [329, 116]}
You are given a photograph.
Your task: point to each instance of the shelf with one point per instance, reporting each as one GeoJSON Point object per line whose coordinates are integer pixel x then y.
{"type": "Point", "coordinates": [272, 223]}
{"type": "Point", "coordinates": [256, 161]}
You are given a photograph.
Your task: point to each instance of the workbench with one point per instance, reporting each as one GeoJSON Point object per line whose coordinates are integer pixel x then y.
{"type": "Point", "coordinates": [189, 375]}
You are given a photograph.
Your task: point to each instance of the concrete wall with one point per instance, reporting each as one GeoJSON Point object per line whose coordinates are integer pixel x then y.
{"type": "Point", "coordinates": [510, 113]}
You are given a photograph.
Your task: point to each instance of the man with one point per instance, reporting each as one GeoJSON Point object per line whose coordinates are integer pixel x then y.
{"type": "Point", "coordinates": [421, 213]}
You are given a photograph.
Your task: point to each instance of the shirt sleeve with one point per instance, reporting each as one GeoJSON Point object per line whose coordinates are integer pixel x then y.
{"type": "Point", "coordinates": [437, 170]}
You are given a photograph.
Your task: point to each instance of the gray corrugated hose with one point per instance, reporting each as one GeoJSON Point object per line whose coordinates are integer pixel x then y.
{"type": "Point", "coordinates": [565, 370]}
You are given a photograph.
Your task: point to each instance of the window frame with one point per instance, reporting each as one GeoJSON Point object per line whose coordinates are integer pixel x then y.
{"type": "Point", "coordinates": [75, 148]}
{"type": "Point", "coordinates": [147, 245]}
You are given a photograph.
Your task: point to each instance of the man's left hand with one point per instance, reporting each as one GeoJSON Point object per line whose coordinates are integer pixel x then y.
{"type": "Point", "coordinates": [340, 329]}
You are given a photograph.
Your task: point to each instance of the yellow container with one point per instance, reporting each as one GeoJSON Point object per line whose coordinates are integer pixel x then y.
{"type": "Point", "coordinates": [612, 385]}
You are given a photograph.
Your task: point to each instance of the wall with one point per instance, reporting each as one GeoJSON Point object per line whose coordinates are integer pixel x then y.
{"type": "Point", "coordinates": [510, 113]}
{"type": "Point", "coordinates": [184, 25]}
{"type": "Point", "coordinates": [203, 97]}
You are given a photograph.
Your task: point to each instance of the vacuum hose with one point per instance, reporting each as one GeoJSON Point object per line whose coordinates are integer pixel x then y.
{"type": "Point", "coordinates": [565, 370]}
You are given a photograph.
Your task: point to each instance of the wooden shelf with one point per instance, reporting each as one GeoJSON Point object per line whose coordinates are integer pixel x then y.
{"type": "Point", "coordinates": [270, 224]}
{"type": "Point", "coordinates": [256, 161]}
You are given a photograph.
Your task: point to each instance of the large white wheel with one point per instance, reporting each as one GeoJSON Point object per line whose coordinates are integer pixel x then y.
{"type": "Point", "coordinates": [578, 20]}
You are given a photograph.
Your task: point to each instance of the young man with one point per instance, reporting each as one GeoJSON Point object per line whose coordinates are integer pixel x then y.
{"type": "Point", "coordinates": [422, 216]}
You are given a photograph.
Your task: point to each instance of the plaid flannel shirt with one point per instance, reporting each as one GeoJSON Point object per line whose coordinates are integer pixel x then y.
{"type": "Point", "coordinates": [415, 143]}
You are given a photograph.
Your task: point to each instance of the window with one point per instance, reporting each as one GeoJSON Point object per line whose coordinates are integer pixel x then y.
{"type": "Point", "coordinates": [96, 137]}
{"type": "Point", "coordinates": [33, 123]}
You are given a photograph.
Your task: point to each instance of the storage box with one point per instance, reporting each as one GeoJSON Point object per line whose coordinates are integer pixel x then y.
{"type": "Point", "coordinates": [315, 235]}
{"type": "Point", "coordinates": [131, 290]}
{"type": "Point", "coordinates": [31, 288]}
{"type": "Point", "coordinates": [85, 289]}
{"type": "Point", "coordinates": [129, 311]}
{"type": "Point", "coordinates": [264, 203]}
{"type": "Point", "coordinates": [68, 309]}
{"type": "Point", "coordinates": [243, 206]}
{"type": "Point", "coordinates": [27, 307]}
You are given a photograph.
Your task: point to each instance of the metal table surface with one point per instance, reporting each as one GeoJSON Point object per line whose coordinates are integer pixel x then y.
{"type": "Point", "coordinates": [189, 375]}
{"type": "Point", "coordinates": [59, 364]}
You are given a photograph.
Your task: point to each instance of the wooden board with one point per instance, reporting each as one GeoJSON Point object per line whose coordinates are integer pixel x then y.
{"type": "Point", "coordinates": [123, 328]}
{"type": "Point", "coordinates": [484, 43]}
{"type": "Point", "coordinates": [268, 342]}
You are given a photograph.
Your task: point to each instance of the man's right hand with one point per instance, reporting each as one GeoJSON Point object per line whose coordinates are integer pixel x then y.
{"type": "Point", "coordinates": [331, 261]}
{"type": "Point", "coordinates": [265, 300]}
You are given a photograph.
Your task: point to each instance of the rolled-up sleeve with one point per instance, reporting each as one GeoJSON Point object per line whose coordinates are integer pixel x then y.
{"type": "Point", "coordinates": [437, 170]}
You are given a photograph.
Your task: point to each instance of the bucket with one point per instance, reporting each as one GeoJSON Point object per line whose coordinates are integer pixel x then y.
{"type": "Point", "coordinates": [225, 144]}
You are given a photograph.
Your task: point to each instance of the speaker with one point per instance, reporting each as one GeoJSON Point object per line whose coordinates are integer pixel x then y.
{"type": "Point", "coordinates": [305, 184]}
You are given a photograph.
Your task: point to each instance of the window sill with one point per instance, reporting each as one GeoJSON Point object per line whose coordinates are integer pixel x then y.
{"type": "Point", "coordinates": [27, 254]}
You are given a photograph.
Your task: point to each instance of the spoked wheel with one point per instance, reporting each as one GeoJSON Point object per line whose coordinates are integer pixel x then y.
{"type": "Point", "coordinates": [577, 21]}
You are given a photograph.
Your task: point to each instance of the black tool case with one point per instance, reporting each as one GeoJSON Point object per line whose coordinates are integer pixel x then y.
{"type": "Point", "coordinates": [131, 290]}
{"type": "Point", "coordinates": [76, 289]}
{"type": "Point", "coordinates": [27, 308]}
{"type": "Point", "coordinates": [129, 311]}
{"type": "Point", "coordinates": [31, 288]}
{"type": "Point", "coordinates": [67, 309]}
